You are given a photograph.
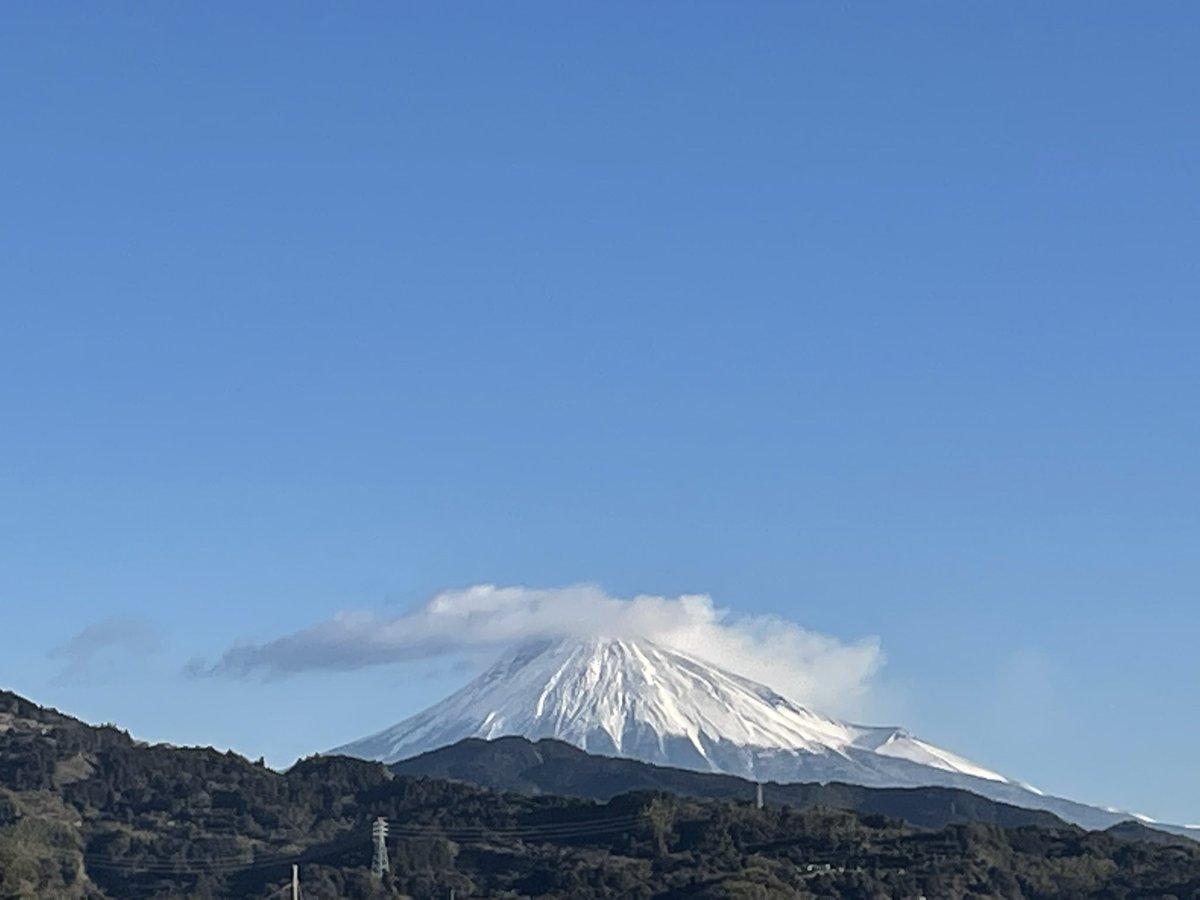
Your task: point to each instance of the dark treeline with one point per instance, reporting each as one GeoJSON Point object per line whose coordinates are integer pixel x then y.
{"type": "Point", "coordinates": [553, 767]}
{"type": "Point", "coordinates": [90, 813]}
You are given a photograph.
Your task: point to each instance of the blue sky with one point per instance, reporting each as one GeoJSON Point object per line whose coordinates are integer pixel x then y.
{"type": "Point", "coordinates": [880, 318]}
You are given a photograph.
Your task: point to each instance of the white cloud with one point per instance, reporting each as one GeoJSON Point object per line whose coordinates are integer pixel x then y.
{"type": "Point", "coordinates": [100, 648]}
{"type": "Point", "coordinates": [830, 674]}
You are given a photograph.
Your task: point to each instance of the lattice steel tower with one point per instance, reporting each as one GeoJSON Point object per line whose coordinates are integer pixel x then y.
{"type": "Point", "coordinates": [379, 862]}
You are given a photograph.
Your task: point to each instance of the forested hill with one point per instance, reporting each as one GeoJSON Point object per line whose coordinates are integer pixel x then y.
{"type": "Point", "coordinates": [554, 767]}
{"type": "Point", "coordinates": [89, 812]}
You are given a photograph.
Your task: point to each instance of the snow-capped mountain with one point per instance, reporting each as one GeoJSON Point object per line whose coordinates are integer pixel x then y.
{"type": "Point", "coordinates": [634, 698]}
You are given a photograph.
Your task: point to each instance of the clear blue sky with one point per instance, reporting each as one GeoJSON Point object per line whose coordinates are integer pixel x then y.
{"type": "Point", "coordinates": [880, 317]}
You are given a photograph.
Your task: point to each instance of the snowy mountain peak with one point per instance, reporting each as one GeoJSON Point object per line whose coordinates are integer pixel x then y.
{"type": "Point", "coordinates": [632, 697]}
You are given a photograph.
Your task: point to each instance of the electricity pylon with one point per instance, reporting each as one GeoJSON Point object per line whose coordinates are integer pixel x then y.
{"type": "Point", "coordinates": [379, 862]}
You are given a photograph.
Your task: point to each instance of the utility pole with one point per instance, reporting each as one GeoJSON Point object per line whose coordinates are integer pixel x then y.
{"type": "Point", "coordinates": [379, 862]}
{"type": "Point", "coordinates": [758, 797]}
{"type": "Point", "coordinates": [295, 882]}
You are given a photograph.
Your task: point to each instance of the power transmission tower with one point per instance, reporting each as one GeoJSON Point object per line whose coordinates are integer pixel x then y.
{"type": "Point", "coordinates": [295, 882]}
{"type": "Point", "coordinates": [379, 862]}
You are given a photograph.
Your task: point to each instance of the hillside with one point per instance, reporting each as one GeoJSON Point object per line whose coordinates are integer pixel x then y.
{"type": "Point", "coordinates": [90, 813]}
{"type": "Point", "coordinates": [554, 767]}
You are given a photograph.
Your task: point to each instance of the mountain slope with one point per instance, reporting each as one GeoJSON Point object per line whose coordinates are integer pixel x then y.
{"type": "Point", "coordinates": [553, 767]}
{"type": "Point", "coordinates": [635, 699]}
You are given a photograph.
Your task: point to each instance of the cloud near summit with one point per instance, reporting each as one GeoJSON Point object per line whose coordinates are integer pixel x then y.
{"type": "Point", "coordinates": [813, 668]}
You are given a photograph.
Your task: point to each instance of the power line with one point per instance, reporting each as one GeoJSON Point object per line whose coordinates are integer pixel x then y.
{"type": "Point", "coordinates": [218, 863]}
{"type": "Point", "coordinates": [545, 831]}
{"type": "Point", "coordinates": [542, 829]}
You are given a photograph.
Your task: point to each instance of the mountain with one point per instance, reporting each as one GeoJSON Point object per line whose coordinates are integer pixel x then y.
{"type": "Point", "coordinates": [91, 814]}
{"type": "Point", "coordinates": [636, 699]}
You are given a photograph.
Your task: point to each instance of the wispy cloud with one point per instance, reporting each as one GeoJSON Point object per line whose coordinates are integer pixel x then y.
{"type": "Point", "coordinates": [829, 673]}
{"type": "Point", "coordinates": [100, 647]}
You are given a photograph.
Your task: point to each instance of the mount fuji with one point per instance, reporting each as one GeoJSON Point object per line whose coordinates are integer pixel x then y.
{"type": "Point", "coordinates": [637, 699]}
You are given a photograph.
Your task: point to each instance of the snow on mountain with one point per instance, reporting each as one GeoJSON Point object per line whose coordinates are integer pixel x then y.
{"type": "Point", "coordinates": [633, 698]}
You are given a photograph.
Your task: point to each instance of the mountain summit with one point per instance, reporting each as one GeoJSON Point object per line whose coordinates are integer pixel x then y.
{"type": "Point", "coordinates": [623, 697]}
